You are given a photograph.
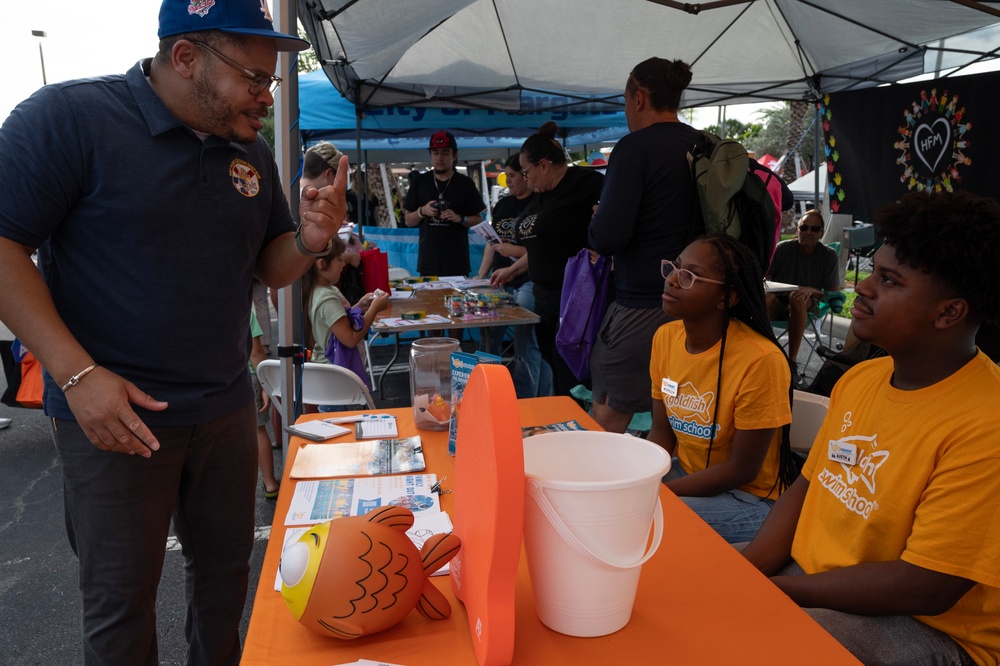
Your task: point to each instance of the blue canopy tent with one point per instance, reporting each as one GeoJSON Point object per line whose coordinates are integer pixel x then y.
{"type": "Point", "coordinates": [400, 133]}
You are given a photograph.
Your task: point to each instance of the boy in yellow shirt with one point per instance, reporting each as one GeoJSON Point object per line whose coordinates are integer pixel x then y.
{"type": "Point", "coordinates": [891, 537]}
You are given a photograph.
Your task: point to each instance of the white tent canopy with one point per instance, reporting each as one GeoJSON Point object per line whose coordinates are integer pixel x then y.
{"type": "Point", "coordinates": [803, 188]}
{"type": "Point", "coordinates": [484, 53]}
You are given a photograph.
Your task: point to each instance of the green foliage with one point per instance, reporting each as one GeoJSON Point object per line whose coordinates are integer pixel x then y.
{"type": "Point", "coordinates": [771, 139]}
{"type": "Point", "coordinates": [735, 129]}
{"type": "Point", "coordinates": [849, 294]}
{"type": "Point", "coordinates": [268, 131]}
{"type": "Point", "coordinates": [308, 60]}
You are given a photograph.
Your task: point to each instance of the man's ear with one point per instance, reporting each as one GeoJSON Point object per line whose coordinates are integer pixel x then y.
{"type": "Point", "coordinates": [639, 99]}
{"type": "Point", "coordinates": [182, 58]}
{"type": "Point", "coordinates": [951, 311]}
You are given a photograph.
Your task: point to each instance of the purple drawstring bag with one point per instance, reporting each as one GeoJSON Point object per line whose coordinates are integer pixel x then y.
{"type": "Point", "coordinates": [581, 310]}
{"type": "Point", "coordinates": [348, 357]}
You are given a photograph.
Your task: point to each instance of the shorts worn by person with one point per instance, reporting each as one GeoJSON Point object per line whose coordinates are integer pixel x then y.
{"type": "Point", "coordinates": [806, 262]}
{"type": "Point", "coordinates": [644, 216]}
{"type": "Point", "coordinates": [893, 521]}
{"type": "Point", "coordinates": [444, 204]}
{"type": "Point", "coordinates": [165, 203]}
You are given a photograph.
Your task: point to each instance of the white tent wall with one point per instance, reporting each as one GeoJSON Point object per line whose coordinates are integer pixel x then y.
{"type": "Point", "coordinates": [484, 53]}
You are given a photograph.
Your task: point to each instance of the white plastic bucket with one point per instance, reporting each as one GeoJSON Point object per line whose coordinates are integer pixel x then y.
{"type": "Point", "coordinates": [590, 499]}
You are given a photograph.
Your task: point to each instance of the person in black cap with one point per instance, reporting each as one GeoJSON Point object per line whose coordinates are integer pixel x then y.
{"type": "Point", "coordinates": [444, 204]}
{"type": "Point", "coordinates": [166, 204]}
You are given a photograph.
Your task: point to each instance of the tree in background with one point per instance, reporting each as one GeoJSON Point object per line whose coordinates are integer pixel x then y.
{"type": "Point", "coordinates": [735, 129]}
{"type": "Point", "coordinates": [306, 62]}
{"type": "Point", "coordinates": [773, 138]}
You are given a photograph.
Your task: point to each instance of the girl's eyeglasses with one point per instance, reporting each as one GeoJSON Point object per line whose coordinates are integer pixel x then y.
{"type": "Point", "coordinates": [685, 278]}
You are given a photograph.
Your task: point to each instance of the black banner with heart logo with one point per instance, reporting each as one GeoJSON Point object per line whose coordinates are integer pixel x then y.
{"type": "Point", "coordinates": [931, 136]}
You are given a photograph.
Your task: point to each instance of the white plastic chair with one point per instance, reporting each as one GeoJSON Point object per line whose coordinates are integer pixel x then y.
{"type": "Point", "coordinates": [322, 384]}
{"type": "Point", "coordinates": [808, 412]}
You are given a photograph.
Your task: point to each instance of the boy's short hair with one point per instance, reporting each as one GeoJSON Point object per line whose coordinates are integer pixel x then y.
{"type": "Point", "coordinates": [954, 236]}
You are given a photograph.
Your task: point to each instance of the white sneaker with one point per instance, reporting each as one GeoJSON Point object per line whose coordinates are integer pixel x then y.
{"type": "Point", "coordinates": [4, 422]}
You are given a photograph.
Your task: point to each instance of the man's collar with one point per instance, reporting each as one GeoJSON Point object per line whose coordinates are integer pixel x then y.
{"type": "Point", "coordinates": [154, 111]}
{"type": "Point", "coordinates": [158, 117]}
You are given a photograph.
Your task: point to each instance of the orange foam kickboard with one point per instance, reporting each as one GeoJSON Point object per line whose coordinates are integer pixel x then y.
{"type": "Point", "coordinates": [489, 511]}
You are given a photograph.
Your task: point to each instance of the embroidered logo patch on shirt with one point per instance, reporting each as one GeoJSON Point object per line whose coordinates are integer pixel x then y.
{"type": "Point", "coordinates": [246, 179]}
{"type": "Point", "coordinates": [200, 7]}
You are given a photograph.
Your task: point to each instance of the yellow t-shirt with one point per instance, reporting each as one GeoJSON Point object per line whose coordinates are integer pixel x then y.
{"type": "Point", "coordinates": [925, 488]}
{"type": "Point", "coordinates": [755, 380]}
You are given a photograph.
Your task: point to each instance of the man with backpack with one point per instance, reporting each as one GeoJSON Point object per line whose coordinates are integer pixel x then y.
{"type": "Point", "coordinates": [644, 216]}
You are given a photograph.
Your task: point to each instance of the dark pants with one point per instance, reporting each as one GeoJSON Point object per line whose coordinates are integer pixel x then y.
{"type": "Point", "coordinates": [547, 309]}
{"type": "Point", "coordinates": [118, 511]}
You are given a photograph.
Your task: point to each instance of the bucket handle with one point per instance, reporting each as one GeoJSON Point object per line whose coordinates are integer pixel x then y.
{"type": "Point", "coordinates": [535, 490]}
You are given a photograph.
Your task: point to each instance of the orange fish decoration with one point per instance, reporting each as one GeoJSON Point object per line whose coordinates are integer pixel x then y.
{"type": "Point", "coordinates": [355, 576]}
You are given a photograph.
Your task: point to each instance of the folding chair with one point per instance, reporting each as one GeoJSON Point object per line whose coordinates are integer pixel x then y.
{"type": "Point", "coordinates": [808, 412]}
{"type": "Point", "coordinates": [832, 303]}
{"type": "Point", "coordinates": [322, 384]}
{"type": "Point", "coordinates": [639, 425]}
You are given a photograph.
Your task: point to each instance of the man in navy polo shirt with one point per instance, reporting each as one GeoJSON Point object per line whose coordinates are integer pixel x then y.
{"type": "Point", "coordinates": [162, 205]}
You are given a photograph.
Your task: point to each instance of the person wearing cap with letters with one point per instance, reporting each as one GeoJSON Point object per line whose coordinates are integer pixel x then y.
{"type": "Point", "coordinates": [166, 203]}
{"type": "Point", "coordinates": [445, 205]}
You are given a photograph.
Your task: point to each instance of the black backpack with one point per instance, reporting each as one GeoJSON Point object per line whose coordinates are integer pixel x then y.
{"type": "Point", "coordinates": [731, 197]}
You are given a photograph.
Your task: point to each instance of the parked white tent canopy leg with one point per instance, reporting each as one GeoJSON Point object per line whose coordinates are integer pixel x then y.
{"type": "Point", "coordinates": [286, 154]}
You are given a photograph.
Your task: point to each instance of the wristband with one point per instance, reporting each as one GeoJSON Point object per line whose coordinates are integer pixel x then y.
{"type": "Point", "coordinates": [75, 379]}
{"type": "Point", "coordinates": [307, 252]}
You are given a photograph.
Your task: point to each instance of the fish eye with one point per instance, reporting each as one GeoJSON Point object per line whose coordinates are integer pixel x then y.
{"type": "Point", "coordinates": [293, 564]}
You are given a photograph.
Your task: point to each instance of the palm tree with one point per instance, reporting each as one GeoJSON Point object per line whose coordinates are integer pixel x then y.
{"type": "Point", "coordinates": [796, 126]}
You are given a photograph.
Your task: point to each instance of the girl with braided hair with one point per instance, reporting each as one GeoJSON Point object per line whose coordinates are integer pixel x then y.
{"type": "Point", "coordinates": [721, 385]}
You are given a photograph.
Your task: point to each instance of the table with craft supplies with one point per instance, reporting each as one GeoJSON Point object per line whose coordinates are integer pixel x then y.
{"type": "Point", "coordinates": [698, 601]}
{"type": "Point", "coordinates": [428, 299]}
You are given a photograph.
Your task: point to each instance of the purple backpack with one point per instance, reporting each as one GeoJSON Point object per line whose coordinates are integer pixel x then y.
{"type": "Point", "coordinates": [581, 310]}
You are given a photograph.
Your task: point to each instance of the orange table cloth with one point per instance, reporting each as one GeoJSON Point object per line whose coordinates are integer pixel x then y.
{"type": "Point", "coordinates": [699, 601]}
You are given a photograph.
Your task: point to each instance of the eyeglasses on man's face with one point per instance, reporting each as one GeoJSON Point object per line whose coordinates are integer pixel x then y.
{"type": "Point", "coordinates": [258, 82]}
{"type": "Point", "coordinates": [685, 278]}
{"type": "Point", "coordinates": [525, 170]}
{"type": "Point", "coordinates": [815, 228]}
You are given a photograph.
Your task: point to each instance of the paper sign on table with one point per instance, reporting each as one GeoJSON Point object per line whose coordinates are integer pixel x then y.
{"type": "Point", "coordinates": [316, 501]}
{"type": "Point", "coordinates": [368, 458]}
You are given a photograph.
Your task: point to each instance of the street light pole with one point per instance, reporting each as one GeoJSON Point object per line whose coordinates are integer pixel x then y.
{"type": "Point", "coordinates": [41, 34]}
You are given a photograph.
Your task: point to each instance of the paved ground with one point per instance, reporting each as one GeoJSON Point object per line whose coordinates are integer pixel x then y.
{"type": "Point", "coordinates": [39, 597]}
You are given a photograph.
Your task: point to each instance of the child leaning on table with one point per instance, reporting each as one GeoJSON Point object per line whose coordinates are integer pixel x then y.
{"type": "Point", "coordinates": [890, 539]}
{"type": "Point", "coordinates": [721, 388]}
{"type": "Point", "coordinates": [330, 319]}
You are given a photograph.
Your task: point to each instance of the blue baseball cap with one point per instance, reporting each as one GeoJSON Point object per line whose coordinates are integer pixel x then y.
{"type": "Point", "coordinates": [242, 17]}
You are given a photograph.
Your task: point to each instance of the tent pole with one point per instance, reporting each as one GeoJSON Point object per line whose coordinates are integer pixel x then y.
{"type": "Point", "coordinates": [287, 154]}
{"type": "Point", "coordinates": [388, 196]}
{"type": "Point", "coordinates": [816, 128]}
{"type": "Point", "coordinates": [358, 113]}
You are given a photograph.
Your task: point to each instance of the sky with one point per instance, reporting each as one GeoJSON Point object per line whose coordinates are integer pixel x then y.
{"type": "Point", "coordinates": [83, 38]}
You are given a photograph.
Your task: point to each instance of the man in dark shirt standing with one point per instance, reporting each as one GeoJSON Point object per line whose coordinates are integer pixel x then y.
{"type": "Point", "coordinates": [643, 217]}
{"type": "Point", "coordinates": [444, 204]}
